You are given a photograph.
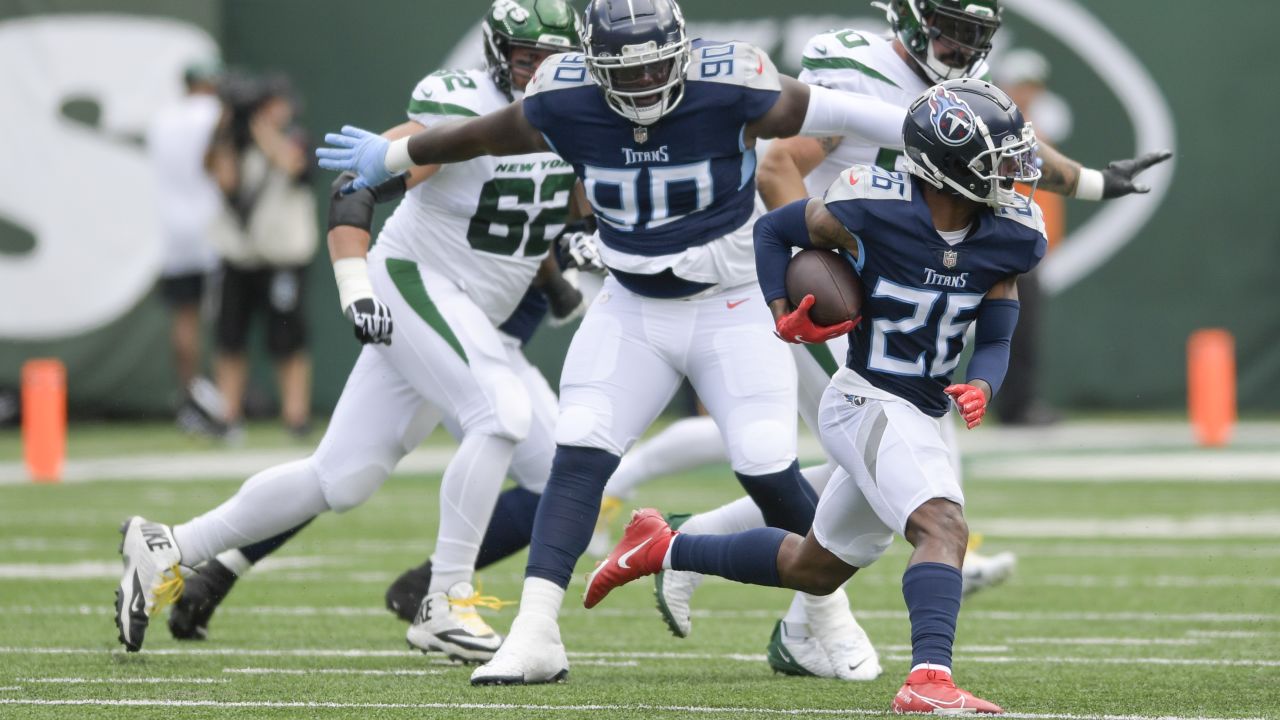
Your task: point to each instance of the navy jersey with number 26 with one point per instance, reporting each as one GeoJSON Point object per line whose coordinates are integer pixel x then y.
{"type": "Point", "coordinates": [692, 179]}
{"type": "Point", "coordinates": [921, 293]}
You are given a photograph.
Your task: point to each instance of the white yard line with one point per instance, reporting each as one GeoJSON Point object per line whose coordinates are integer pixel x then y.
{"type": "Point", "coordinates": [1241, 525]}
{"type": "Point", "coordinates": [699, 709]}
{"type": "Point", "coordinates": [1109, 641]}
{"type": "Point", "coordinates": [1071, 442]}
{"type": "Point", "coordinates": [1252, 467]}
{"type": "Point", "coordinates": [123, 681]}
{"type": "Point", "coordinates": [631, 656]}
{"type": "Point", "coordinates": [765, 613]}
{"type": "Point", "coordinates": [327, 671]}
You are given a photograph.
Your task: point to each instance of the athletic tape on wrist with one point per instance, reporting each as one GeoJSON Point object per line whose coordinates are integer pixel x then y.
{"type": "Point", "coordinates": [1090, 184]}
{"type": "Point", "coordinates": [398, 159]}
{"type": "Point", "coordinates": [352, 274]}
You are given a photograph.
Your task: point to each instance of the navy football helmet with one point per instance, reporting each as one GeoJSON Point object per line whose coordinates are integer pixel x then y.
{"type": "Point", "coordinates": [637, 52]}
{"type": "Point", "coordinates": [968, 136]}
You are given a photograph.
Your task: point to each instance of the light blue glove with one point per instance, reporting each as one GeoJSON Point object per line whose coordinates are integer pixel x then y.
{"type": "Point", "coordinates": [358, 151]}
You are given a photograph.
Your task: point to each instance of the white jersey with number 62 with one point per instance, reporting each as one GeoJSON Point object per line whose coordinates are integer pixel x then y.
{"type": "Point", "coordinates": [486, 223]}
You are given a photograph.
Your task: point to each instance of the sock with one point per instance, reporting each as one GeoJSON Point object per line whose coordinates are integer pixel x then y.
{"type": "Point", "coordinates": [738, 516]}
{"type": "Point", "coordinates": [235, 561]}
{"type": "Point", "coordinates": [796, 615]}
{"type": "Point", "coordinates": [567, 512]}
{"type": "Point", "coordinates": [468, 494]}
{"type": "Point", "coordinates": [267, 504]}
{"type": "Point", "coordinates": [511, 527]}
{"type": "Point", "coordinates": [255, 552]}
{"type": "Point", "coordinates": [748, 557]}
{"type": "Point", "coordinates": [785, 499]}
{"type": "Point", "coordinates": [541, 597]}
{"type": "Point", "coordinates": [684, 445]}
{"type": "Point", "coordinates": [932, 591]}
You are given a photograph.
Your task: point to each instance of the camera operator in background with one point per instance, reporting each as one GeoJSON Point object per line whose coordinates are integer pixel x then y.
{"type": "Point", "coordinates": [178, 141]}
{"type": "Point", "coordinates": [266, 233]}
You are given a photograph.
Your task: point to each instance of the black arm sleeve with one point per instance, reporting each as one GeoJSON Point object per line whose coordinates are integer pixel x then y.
{"type": "Point", "coordinates": [356, 209]}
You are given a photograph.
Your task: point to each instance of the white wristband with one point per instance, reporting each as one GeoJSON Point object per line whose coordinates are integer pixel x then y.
{"type": "Point", "coordinates": [352, 274]}
{"type": "Point", "coordinates": [1090, 184]}
{"type": "Point", "coordinates": [398, 159]}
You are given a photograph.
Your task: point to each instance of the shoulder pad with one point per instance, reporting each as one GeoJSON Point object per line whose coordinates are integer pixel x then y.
{"type": "Point", "coordinates": [558, 72]}
{"type": "Point", "coordinates": [842, 51]}
{"type": "Point", "coordinates": [866, 182]}
{"type": "Point", "coordinates": [449, 93]}
{"type": "Point", "coordinates": [734, 63]}
{"type": "Point", "coordinates": [1031, 216]}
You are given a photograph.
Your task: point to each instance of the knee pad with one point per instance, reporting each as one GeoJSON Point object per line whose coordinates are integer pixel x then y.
{"type": "Point", "coordinates": [349, 486]}
{"type": "Point", "coordinates": [509, 405]}
{"type": "Point", "coordinates": [866, 549]}
{"type": "Point", "coordinates": [582, 425]}
{"type": "Point", "coordinates": [762, 447]}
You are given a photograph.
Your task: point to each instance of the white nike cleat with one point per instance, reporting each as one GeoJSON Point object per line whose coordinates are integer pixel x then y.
{"type": "Point", "coordinates": [793, 651]}
{"type": "Point", "coordinates": [850, 651]}
{"type": "Point", "coordinates": [674, 591]}
{"type": "Point", "coordinates": [152, 577]}
{"type": "Point", "coordinates": [984, 571]}
{"type": "Point", "coordinates": [449, 623]}
{"type": "Point", "coordinates": [532, 654]}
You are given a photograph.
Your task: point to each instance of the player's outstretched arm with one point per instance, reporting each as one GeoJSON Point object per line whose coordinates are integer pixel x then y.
{"type": "Point", "coordinates": [819, 112]}
{"type": "Point", "coordinates": [374, 159]}
{"type": "Point", "coordinates": [1065, 176]}
{"type": "Point", "coordinates": [997, 317]}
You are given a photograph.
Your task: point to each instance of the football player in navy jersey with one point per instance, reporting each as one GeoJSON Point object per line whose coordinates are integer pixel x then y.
{"type": "Point", "coordinates": [661, 130]}
{"type": "Point", "coordinates": [937, 249]}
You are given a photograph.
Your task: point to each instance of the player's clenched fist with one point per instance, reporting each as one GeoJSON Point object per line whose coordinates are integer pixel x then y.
{"type": "Point", "coordinates": [372, 320]}
{"type": "Point", "coordinates": [797, 327]}
{"type": "Point", "coordinates": [970, 401]}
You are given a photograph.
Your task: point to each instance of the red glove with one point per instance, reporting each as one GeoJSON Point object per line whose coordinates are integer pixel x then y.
{"type": "Point", "coordinates": [797, 327]}
{"type": "Point", "coordinates": [971, 402]}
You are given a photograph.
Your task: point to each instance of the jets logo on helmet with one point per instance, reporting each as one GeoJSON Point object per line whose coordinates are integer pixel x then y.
{"type": "Point", "coordinates": [548, 26]}
{"type": "Point", "coordinates": [951, 117]}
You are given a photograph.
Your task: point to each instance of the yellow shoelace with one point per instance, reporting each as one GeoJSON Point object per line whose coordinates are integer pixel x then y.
{"type": "Point", "coordinates": [975, 541]}
{"type": "Point", "coordinates": [478, 600]}
{"type": "Point", "coordinates": [168, 592]}
{"type": "Point", "coordinates": [465, 610]}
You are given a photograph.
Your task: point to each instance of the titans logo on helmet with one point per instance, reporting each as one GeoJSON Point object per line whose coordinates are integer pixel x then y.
{"type": "Point", "coordinates": [952, 118]}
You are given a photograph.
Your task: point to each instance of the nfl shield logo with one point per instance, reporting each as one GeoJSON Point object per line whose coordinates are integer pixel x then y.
{"type": "Point", "coordinates": [950, 258]}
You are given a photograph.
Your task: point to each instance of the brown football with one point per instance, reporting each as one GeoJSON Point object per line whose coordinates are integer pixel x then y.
{"type": "Point", "coordinates": [830, 279]}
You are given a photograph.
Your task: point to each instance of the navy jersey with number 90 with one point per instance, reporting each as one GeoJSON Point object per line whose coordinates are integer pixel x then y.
{"type": "Point", "coordinates": [684, 181]}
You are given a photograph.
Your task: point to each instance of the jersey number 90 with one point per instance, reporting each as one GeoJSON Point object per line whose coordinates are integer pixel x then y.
{"type": "Point", "coordinates": [615, 193]}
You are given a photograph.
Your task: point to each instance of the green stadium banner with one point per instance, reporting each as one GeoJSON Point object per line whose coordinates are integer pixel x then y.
{"type": "Point", "coordinates": [1132, 280]}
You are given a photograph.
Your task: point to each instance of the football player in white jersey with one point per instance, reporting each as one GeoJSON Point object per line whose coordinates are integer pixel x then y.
{"type": "Point", "coordinates": [933, 40]}
{"type": "Point", "coordinates": [451, 263]}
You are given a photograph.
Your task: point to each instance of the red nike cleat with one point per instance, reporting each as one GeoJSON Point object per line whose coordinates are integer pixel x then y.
{"type": "Point", "coordinates": [932, 691]}
{"type": "Point", "coordinates": [640, 552]}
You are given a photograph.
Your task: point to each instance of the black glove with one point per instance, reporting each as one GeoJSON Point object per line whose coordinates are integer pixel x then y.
{"type": "Point", "coordinates": [372, 320]}
{"type": "Point", "coordinates": [1117, 177]}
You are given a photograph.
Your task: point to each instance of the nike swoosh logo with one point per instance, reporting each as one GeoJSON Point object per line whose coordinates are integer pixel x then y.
{"type": "Point", "coordinates": [731, 304]}
{"type": "Point", "coordinates": [853, 179]}
{"type": "Point", "coordinates": [622, 561]}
